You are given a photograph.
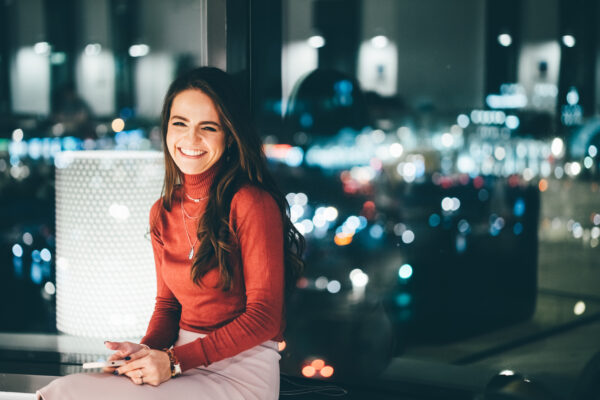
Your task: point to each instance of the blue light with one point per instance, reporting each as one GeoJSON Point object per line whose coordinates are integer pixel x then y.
{"type": "Point", "coordinates": [69, 143]}
{"type": "Point", "coordinates": [405, 271]}
{"type": "Point", "coordinates": [45, 255]}
{"type": "Point", "coordinates": [403, 299]}
{"type": "Point", "coordinates": [494, 231]}
{"type": "Point", "coordinates": [434, 220]}
{"type": "Point", "coordinates": [126, 113]}
{"type": "Point", "coordinates": [294, 157]}
{"type": "Point", "coordinates": [519, 207]}
{"type": "Point", "coordinates": [35, 256]}
{"type": "Point", "coordinates": [483, 195]}
{"type": "Point", "coordinates": [35, 148]}
{"type": "Point", "coordinates": [18, 266]}
{"type": "Point", "coordinates": [464, 226]}
{"type": "Point", "coordinates": [461, 244]}
{"type": "Point", "coordinates": [121, 138]}
{"type": "Point", "coordinates": [17, 250]}
{"type": "Point", "coordinates": [362, 222]}
{"type": "Point", "coordinates": [376, 231]}
{"type": "Point", "coordinates": [343, 87]}
{"type": "Point", "coordinates": [306, 120]}
{"type": "Point", "coordinates": [518, 228]}
{"type": "Point", "coordinates": [36, 273]}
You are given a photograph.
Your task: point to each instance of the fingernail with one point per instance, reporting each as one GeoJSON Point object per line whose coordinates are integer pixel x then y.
{"type": "Point", "coordinates": [127, 358]}
{"type": "Point", "coordinates": [115, 372]}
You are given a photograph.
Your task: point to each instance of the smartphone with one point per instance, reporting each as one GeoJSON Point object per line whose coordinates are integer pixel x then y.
{"type": "Point", "coordinates": [102, 364]}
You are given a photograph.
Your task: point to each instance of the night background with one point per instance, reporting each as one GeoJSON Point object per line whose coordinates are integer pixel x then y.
{"type": "Point", "coordinates": [440, 158]}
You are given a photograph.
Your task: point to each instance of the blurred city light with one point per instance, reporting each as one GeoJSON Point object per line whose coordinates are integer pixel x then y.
{"type": "Point", "coordinates": [379, 41]}
{"type": "Point", "coordinates": [117, 125]}
{"type": "Point", "coordinates": [505, 39]}
{"type": "Point", "coordinates": [308, 371]}
{"type": "Point", "coordinates": [326, 371]}
{"type": "Point", "coordinates": [558, 147]}
{"type": "Point", "coordinates": [17, 250]}
{"type": "Point", "coordinates": [41, 48]}
{"type": "Point", "coordinates": [316, 41]}
{"type": "Point", "coordinates": [568, 40]}
{"type": "Point", "coordinates": [405, 271]}
{"type": "Point", "coordinates": [333, 286]}
{"type": "Point", "coordinates": [50, 288]}
{"type": "Point", "coordinates": [139, 50]}
{"type": "Point", "coordinates": [358, 278]}
{"type": "Point", "coordinates": [579, 308]}
{"type": "Point", "coordinates": [93, 49]}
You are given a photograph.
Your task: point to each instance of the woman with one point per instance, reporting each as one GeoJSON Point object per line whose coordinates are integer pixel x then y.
{"type": "Point", "coordinates": [224, 250]}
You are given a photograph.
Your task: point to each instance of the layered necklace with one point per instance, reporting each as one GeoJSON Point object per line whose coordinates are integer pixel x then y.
{"type": "Point", "coordinates": [185, 214]}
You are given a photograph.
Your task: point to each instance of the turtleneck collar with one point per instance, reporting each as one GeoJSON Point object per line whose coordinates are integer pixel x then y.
{"type": "Point", "coordinates": [198, 185]}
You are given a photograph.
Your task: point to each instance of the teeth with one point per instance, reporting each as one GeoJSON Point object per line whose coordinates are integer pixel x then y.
{"type": "Point", "coordinates": [189, 152]}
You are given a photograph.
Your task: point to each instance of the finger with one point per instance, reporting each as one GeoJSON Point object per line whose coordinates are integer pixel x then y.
{"type": "Point", "coordinates": [112, 345]}
{"type": "Point", "coordinates": [139, 354]}
{"type": "Point", "coordinates": [135, 377]}
{"type": "Point", "coordinates": [136, 364]}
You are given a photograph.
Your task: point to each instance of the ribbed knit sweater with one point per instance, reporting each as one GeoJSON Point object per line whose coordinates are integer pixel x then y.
{"type": "Point", "coordinates": [235, 320]}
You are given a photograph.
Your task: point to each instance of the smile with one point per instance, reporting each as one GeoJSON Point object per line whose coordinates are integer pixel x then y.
{"type": "Point", "coordinates": [190, 152]}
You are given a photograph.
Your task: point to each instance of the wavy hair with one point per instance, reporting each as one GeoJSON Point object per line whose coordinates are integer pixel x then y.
{"type": "Point", "coordinates": [246, 165]}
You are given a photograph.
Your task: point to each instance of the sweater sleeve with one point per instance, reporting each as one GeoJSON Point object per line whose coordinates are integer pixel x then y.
{"type": "Point", "coordinates": [257, 221]}
{"type": "Point", "coordinates": [164, 323]}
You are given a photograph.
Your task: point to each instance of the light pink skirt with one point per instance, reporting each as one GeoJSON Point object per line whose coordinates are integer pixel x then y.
{"type": "Point", "coordinates": [252, 374]}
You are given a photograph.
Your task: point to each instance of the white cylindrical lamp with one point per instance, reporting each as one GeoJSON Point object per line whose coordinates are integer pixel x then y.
{"type": "Point", "coordinates": [105, 275]}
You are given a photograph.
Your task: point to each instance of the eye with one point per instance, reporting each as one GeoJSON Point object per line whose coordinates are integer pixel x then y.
{"type": "Point", "coordinates": [178, 123]}
{"type": "Point", "coordinates": [209, 128]}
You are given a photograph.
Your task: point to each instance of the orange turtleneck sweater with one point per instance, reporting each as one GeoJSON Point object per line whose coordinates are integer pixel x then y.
{"type": "Point", "coordinates": [236, 320]}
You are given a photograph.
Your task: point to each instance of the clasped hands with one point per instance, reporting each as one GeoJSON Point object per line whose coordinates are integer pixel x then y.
{"type": "Point", "coordinates": [142, 365]}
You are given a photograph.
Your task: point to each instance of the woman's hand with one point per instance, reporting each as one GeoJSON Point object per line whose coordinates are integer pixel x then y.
{"type": "Point", "coordinates": [123, 349]}
{"type": "Point", "coordinates": [147, 366]}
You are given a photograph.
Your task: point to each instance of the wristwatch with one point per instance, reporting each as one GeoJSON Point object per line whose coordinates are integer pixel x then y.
{"type": "Point", "coordinates": [175, 364]}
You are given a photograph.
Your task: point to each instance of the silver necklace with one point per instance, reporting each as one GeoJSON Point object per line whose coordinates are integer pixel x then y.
{"type": "Point", "coordinates": [183, 214]}
{"type": "Point", "coordinates": [196, 200]}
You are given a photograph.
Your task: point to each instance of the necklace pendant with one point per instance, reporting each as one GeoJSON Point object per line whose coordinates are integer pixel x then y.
{"type": "Point", "coordinates": [191, 253]}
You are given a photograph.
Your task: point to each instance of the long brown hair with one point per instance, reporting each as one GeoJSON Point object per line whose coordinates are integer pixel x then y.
{"type": "Point", "coordinates": [245, 164]}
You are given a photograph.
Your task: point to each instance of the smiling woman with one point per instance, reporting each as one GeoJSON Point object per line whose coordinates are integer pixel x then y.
{"type": "Point", "coordinates": [219, 305]}
{"type": "Point", "coordinates": [195, 138]}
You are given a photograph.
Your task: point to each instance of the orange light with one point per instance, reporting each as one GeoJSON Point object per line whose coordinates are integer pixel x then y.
{"type": "Point", "coordinates": [543, 185]}
{"type": "Point", "coordinates": [308, 371]}
{"type": "Point", "coordinates": [278, 151]}
{"type": "Point", "coordinates": [342, 239]}
{"type": "Point", "coordinates": [281, 345]}
{"type": "Point", "coordinates": [118, 125]}
{"type": "Point", "coordinates": [326, 371]}
{"type": "Point", "coordinates": [318, 364]}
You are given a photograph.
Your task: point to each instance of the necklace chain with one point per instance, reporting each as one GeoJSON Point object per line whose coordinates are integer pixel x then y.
{"type": "Point", "coordinates": [196, 200]}
{"type": "Point", "coordinates": [183, 214]}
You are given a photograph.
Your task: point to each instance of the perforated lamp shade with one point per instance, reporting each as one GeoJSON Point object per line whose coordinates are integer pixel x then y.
{"type": "Point", "coordinates": [105, 276]}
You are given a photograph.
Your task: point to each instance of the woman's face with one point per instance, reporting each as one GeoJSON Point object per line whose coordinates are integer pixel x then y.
{"type": "Point", "coordinates": [195, 137]}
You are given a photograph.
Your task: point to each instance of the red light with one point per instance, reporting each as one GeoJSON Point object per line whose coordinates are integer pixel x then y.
{"type": "Point", "coordinates": [326, 371]}
{"type": "Point", "coordinates": [318, 364]}
{"type": "Point", "coordinates": [308, 371]}
{"type": "Point", "coordinates": [478, 182]}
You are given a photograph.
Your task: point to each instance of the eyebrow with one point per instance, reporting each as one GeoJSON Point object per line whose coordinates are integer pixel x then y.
{"type": "Point", "coordinates": [201, 123]}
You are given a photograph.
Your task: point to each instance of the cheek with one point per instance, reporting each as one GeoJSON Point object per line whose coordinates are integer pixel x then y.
{"type": "Point", "coordinates": [170, 143]}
